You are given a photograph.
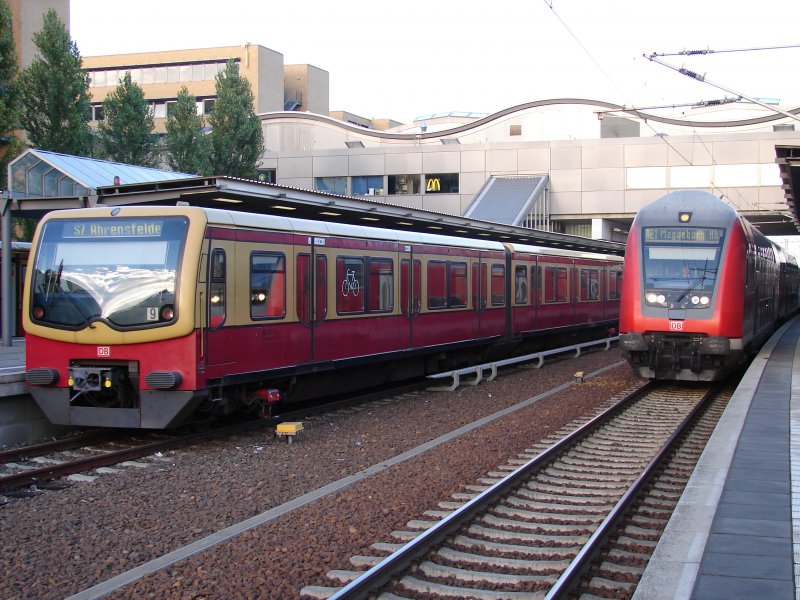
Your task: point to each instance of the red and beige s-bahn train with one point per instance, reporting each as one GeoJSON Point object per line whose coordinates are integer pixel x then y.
{"type": "Point", "coordinates": [703, 289]}
{"type": "Point", "coordinates": [141, 317]}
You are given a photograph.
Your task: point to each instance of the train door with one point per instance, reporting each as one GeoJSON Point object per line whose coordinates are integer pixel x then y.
{"type": "Point", "coordinates": [220, 347]}
{"type": "Point", "coordinates": [491, 295]}
{"type": "Point", "coordinates": [410, 294]}
{"type": "Point", "coordinates": [312, 298]}
{"type": "Point", "coordinates": [480, 299]}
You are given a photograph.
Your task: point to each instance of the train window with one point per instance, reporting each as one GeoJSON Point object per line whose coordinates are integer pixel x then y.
{"type": "Point", "coordinates": [614, 284]}
{"type": "Point", "coordinates": [457, 279]}
{"type": "Point", "coordinates": [321, 296]}
{"type": "Point", "coordinates": [555, 284]}
{"type": "Point", "coordinates": [478, 286]}
{"type": "Point", "coordinates": [498, 285]}
{"type": "Point", "coordinates": [303, 295]}
{"type": "Point", "coordinates": [217, 292]}
{"type": "Point", "coordinates": [267, 285]}
{"type": "Point", "coordinates": [590, 285]}
{"type": "Point", "coordinates": [350, 278]}
{"type": "Point", "coordinates": [304, 286]}
{"type": "Point", "coordinates": [437, 284]}
{"type": "Point", "coordinates": [521, 284]}
{"type": "Point", "coordinates": [381, 284]}
{"type": "Point", "coordinates": [411, 300]}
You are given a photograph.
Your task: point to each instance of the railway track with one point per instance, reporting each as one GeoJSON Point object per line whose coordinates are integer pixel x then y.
{"type": "Point", "coordinates": [579, 512]}
{"type": "Point", "coordinates": [37, 467]}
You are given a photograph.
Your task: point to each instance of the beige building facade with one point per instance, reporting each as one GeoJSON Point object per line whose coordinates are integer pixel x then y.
{"type": "Point", "coordinates": [161, 75]}
{"type": "Point", "coordinates": [26, 19]}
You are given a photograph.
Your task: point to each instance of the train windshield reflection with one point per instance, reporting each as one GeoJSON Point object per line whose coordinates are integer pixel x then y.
{"type": "Point", "coordinates": [681, 267]}
{"type": "Point", "coordinates": [122, 271]}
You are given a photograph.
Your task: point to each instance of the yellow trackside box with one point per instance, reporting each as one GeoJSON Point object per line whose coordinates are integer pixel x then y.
{"type": "Point", "coordinates": [289, 428]}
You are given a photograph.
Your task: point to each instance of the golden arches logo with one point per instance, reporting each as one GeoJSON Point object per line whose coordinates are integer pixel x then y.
{"type": "Point", "coordinates": [433, 185]}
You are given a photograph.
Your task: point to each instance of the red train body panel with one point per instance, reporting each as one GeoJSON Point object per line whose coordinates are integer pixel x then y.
{"type": "Point", "coordinates": [141, 317]}
{"type": "Point", "coordinates": [702, 289]}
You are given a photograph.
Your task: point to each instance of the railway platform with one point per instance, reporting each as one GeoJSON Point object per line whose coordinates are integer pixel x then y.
{"type": "Point", "coordinates": [736, 530]}
{"type": "Point", "coordinates": [21, 420]}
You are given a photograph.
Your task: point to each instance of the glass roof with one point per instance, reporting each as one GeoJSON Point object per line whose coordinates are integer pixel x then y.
{"type": "Point", "coordinates": [44, 174]}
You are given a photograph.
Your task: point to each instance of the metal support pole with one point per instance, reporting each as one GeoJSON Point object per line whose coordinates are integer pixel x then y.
{"type": "Point", "coordinates": [6, 290]}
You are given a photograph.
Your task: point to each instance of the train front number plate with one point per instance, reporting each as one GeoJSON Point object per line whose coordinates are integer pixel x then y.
{"type": "Point", "coordinates": [676, 325]}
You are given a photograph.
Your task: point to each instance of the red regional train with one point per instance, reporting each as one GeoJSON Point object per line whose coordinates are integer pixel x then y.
{"type": "Point", "coordinates": [703, 289]}
{"type": "Point", "coordinates": [140, 317]}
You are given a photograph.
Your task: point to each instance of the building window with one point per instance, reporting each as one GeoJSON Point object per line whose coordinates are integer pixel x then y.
{"type": "Point", "coordinates": [441, 183]}
{"type": "Point", "coordinates": [267, 175]}
{"type": "Point", "coordinates": [371, 185]}
{"type": "Point", "coordinates": [331, 185]}
{"type": "Point", "coordinates": [98, 114]}
{"type": "Point", "coordinates": [515, 130]}
{"type": "Point", "coordinates": [159, 110]}
{"type": "Point", "coordinates": [208, 105]}
{"type": "Point", "coordinates": [403, 184]}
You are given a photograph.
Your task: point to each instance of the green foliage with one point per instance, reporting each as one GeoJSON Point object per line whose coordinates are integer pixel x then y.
{"type": "Point", "coordinates": [55, 93]}
{"type": "Point", "coordinates": [126, 134]}
{"type": "Point", "coordinates": [9, 96]}
{"type": "Point", "coordinates": [237, 141]}
{"type": "Point", "coordinates": [187, 146]}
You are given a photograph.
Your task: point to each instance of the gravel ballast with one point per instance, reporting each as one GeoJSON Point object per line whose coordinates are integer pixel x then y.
{"type": "Point", "coordinates": [60, 543]}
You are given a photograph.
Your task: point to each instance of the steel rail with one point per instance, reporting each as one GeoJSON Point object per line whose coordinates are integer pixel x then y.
{"type": "Point", "coordinates": [379, 575]}
{"type": "Point", "coordinates": [570, 578]}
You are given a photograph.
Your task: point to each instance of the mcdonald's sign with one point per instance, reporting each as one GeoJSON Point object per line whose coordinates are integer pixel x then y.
{"type": "Point", "coordinates": [433, 185]}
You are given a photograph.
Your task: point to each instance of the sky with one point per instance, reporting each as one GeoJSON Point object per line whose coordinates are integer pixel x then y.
{"type": "Point", "coordinates": [413, 58]}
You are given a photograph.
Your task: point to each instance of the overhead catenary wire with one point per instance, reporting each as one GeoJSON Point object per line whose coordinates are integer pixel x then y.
{"type": "Point", "coordinates": [726, 51]}
{"type": "Point", "coordinates": [636, 111]}
{"type": "Point", "coordinates": [704, 79]}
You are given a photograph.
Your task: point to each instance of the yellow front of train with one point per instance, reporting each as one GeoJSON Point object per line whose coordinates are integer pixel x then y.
{"type": "Point", "coordinates": [109, 315]}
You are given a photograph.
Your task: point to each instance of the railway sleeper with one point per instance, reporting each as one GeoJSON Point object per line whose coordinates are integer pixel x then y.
{"type": "Point", "coordinates": [413, 585]}
{"type": "Point", "coordinates": [481, 578]}
{"type": "Point", "coordinates": [531, 552]}
{"type": "Point", "coordinates": [533, 539]}
{"type": "Point", "coordinates": [512, 566]}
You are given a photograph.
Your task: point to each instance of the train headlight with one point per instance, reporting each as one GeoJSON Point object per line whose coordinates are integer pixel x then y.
{"type": "Point", "coordinates": [695, 300]}
{"type": "Point", "coordinates": [652, 298]}
{"type": "Point", "coordinates": [705, 300]}
{"type": "Point", "coordinates": [661, 298]}
{"type": "Point", "coordinates": [38, 312]}
{"type": "Point", "coordinates": [167, 313]}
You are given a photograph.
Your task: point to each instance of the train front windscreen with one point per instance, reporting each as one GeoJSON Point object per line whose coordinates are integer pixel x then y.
{"type": "Point", "coordinates": [681, 265]}
{"type": "Point", "coordinates": [121, 271]}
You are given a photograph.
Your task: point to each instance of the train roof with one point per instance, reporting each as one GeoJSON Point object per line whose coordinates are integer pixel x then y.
{"type": "Point", "coordinates": [706, 210]}
{"type": "Point", "coordinates": [232, 218]}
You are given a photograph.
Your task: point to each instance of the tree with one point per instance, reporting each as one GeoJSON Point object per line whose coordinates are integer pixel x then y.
{"type": "Point", "coordinates": [237, 141]}
{"type": "Point", "coordinates": [9, 94]}
{"type": "Point", "coordinates": [126, 134]}
{"type": "Point", "coordinates": [55, 93]}
{"type": "Point", "coordinates": [187, 146]}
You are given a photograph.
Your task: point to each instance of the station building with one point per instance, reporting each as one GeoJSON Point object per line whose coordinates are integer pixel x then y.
{"type": "Point", "coordinates": [576, 166]}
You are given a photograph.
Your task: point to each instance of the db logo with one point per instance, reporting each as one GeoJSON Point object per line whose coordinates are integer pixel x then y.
{"type": "Point", "coordinates": [103, 351]}
{"type": "Point", "coordinates": [676, 325]}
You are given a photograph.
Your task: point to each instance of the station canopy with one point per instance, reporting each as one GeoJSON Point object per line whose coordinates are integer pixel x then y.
{"type": "Point", "coordinates": [42, 181]}
{"type": "Point", "coordinates": [45, 174]}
